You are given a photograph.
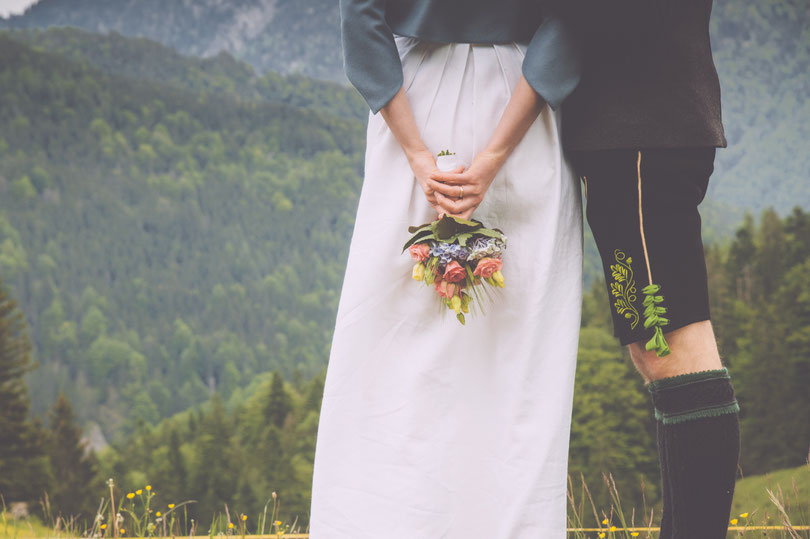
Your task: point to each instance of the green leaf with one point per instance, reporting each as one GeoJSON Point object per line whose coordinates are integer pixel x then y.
{"type": "Point", "coordinates": [490, 233]}
{"type": "Point", "coordinates": [448, 227]}
{"type": "Point", "coordinates": [418, 238]}
{"type": "Point", "coordinates": [462, 238]}
{"type": "Point", "coordinates": [415, 229]}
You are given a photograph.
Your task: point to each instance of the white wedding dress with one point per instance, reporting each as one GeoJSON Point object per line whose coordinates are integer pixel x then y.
{"type": "Point", "coordinates": [430, 429]}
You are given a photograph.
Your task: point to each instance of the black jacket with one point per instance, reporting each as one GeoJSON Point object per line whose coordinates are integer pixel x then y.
{"type": "Point", "coordinates": [648, 78]}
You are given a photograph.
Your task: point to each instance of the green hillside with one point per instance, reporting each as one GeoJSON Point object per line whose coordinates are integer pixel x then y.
{"type": "Point", "coordinates": [289, 36]}
{"type": "Point", "coordinates": [761, 49]}
{"type": "Point", "coordinates": [162, 239]}
{"type": "Point", "coordinates": [792, 488]}
{"type": "Point", "coordinates": [221, 75]}
{"type": "Point", "coordinates": [762, 54]}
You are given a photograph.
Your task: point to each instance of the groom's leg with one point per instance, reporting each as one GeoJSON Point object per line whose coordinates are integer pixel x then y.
{"type": "Point", "coordinates": [646, 225]}
{"type": "Point", "coordinates": [698, 433]}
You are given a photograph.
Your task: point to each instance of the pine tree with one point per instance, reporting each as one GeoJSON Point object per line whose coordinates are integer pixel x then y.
{"type": "Point", "coordinates": [213, 479]}
{"type": "Point", "coordinates": [177, 465]}
{"type": "Point", "coordinates": [25, 474]}
{"type": "Point", "coordinates": [75, 468]}
{"type": "Point", "coordinates": [278, 402]}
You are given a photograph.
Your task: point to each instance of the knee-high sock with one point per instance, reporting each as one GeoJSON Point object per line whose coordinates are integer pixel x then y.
{"type": "Point", "coordinates": [666, 517]}
{"type": "Point", "coordinates": [699, 447]}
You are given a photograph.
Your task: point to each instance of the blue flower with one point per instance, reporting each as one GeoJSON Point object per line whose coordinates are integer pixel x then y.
{"type": "Point", "coordinates": [484, 246]}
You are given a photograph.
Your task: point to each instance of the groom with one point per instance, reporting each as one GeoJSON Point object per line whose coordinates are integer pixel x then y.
{"type": "Point", "coordinates": [641, 129]}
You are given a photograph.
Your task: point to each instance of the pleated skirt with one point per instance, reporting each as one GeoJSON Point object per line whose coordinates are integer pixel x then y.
{"type": "Point", "coordinates": [431, 429]}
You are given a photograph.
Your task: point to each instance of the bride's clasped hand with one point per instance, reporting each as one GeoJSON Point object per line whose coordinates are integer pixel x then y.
{"type": "Point", "coordinates": [459, 192]}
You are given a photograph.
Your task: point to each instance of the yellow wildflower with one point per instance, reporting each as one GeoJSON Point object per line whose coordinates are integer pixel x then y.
{"type": "Point", "coordinates": [139, 492]}
{"type": "Point", "coordinates": [148, 487]}
{"type": "Point", "coordinates": [634, 534]}
{"type": "Point", "coordinates": [605, 521]}
{"type": "Point", "coordinates": [733, 521]}
{"type": "Point", "coordinates": [103, 526]}
{"type": "Point", "coordinates": [613, 528]}
{"type": "Point", "coordinates": [244, 517]}
{"type": "Point", "coordinates": [157, 514]}
{"type": "Point", "coordinates": [171, 506]}
{"type": "Point", "coordinates": [278, 523]}
{"type": "Point", "coordinates": [744, 515]}
{"type": "Point", "coordinates": [131, 495]}
{"type": "Point", "coordinates": [230, 524]}
{"type": "Point", "coordinates": [601, 534]}
{"type": "Point", "coordinates": [122, 531]}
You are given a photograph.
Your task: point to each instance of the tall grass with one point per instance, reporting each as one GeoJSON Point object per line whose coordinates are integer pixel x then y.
{"type": "Point", "coordinates": [134, 515]}
{"type": "Point", "coordinates": [613, 522]}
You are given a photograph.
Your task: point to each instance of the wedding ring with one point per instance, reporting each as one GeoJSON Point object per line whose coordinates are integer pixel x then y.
{"type": "Point", "coordinates": [460, 192]}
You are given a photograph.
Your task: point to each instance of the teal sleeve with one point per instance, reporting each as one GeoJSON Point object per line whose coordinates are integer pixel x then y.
{"type": "Point", "coordinates": [370, 57]}
{"type": "Point", "coordinates": [553, 61]}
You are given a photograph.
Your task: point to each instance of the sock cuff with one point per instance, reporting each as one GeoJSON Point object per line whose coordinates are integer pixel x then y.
{"type": "Point", "coordinates": [700, 413]}
{"type": "Point", "coordinates": [694, 396]}
{"type": "Point", "coordinates": [681, 379]}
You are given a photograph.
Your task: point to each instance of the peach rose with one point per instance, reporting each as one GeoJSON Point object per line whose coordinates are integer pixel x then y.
{"type": "Point", "coordinates": [446, 289]}
{"type": "Point", "coordinates": [487, 266]}
{"type": "Point", "coordinates": [419, 251]}
{"type": "Point", "coordinates": [440, 286]}
{"type": "Point", "coordinates": [454, 272]}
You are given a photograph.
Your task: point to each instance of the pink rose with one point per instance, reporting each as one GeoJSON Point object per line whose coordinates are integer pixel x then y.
{"type": "Point", "coordinates": [454, 272]}
{"type": "Point", "coordinates": [440, 286]}
{"type": "Point", "coordinates": [446, 289]}
{"type": "Point", "coordinates": [419, 252]}
{"type": "Point", "coordinates": [487, 266]}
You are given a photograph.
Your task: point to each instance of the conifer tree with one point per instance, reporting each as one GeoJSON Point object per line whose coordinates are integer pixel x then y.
{"type": "Point", "coordinates": [177, 465]}
{"type": "Point", "coordinates": [77, 482]}
{"type": "Point", "coordinates": [25, 472]}
{"type": "Point", "coordinates": [278, 402]}
{"type": "Point", "coordinates": [213, 480]}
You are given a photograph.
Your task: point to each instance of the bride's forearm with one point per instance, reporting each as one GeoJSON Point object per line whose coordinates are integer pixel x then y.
{"type": "Point", "coordinates": [399, 117]}
{"type": "Point", "coordinates": [522, 110]}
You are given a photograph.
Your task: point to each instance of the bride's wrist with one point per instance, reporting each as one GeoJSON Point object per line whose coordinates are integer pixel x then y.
{"type": "Point", "coordinates": [495, 157]}
{"type": "Point", "coordinates": [417, 152]}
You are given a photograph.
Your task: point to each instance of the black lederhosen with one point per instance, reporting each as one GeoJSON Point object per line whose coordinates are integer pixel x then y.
{"type": "Point", "coordinates": [673, 182]}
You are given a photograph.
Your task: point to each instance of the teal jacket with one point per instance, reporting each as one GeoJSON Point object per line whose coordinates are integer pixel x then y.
{"type": "Point", "coordinates": [371, 61]}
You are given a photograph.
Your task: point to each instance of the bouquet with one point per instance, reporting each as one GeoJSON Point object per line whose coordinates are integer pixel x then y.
{"type": "Point", "coordinates": [457, 256]}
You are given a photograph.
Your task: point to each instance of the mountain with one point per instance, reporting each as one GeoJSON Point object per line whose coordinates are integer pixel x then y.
{"type": "Point", "coordinates": [762, 53]}
{"type": "Point", "coordinates": [221, 75]}
{"type": "Point", "coordinates": [761, 48]}
{"type": "Point", "coordinates": [289, 36]}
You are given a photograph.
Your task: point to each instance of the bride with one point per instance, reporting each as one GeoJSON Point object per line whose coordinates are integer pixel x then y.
{"type": "Point", "coordinates": [430, 428]}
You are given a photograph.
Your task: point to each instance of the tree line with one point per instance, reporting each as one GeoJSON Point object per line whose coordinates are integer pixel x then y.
{"type": "Point", "coordinates": [238, 451]}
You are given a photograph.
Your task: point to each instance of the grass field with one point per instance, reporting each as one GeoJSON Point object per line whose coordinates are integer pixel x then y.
{"type": "Point", "coordinates": [754, 514]}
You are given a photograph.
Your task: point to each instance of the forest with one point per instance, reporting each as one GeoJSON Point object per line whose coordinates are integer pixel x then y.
{"type": "Point", "coordinates": [161, 239]}
{"type": "Point", "coordinates": [238, 451]}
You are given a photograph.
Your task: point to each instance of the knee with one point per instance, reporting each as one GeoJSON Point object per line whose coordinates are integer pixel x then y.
{"type": "Point", "coordinates": [694, 349]}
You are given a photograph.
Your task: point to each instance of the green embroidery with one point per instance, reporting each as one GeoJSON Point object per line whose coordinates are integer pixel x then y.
{"type": "Point", "coordinates": [624, 287]}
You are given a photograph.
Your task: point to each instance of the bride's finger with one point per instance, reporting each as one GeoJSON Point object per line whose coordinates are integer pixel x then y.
{"type": "Point", "coordinates": [455, 207]}
{"type": "Point", "coordinates": [449, 177]}
{"type": "Point", "coordinates": [452, 191]}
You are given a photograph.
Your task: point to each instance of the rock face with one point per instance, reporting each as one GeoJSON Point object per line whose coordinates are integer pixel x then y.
{"type": "Point", "coordinates": [279, 35]}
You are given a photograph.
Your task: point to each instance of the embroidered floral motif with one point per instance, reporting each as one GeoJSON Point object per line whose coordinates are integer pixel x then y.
{"type": "Point", "coordinates": [624, 287]}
